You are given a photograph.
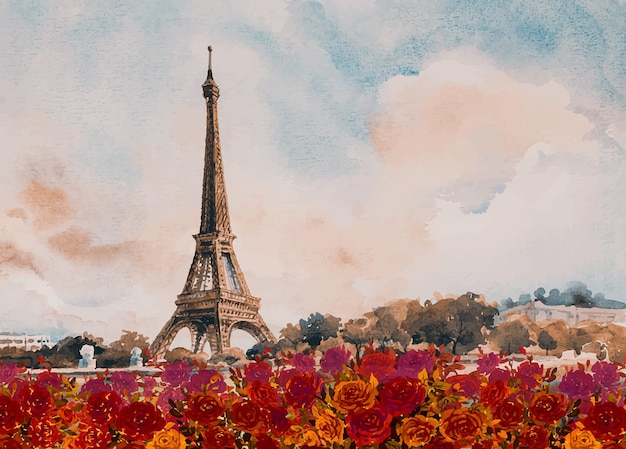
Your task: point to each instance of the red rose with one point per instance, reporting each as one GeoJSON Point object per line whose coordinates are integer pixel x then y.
{"type": "Point", "coordinates": [102, 407]}
{"type": "Point", "coordinates": [263, 394]}
{"type": "Point", "coordinates": [534, 437]}
{"type": "Point", "coordinates": [548, 407]}
{"type": "Point", "coordinates": [509, 413]}
{"type": "Point", "coordinates": [402, 395]}
{"type": "Point", "coordinates": [368, 426]}
{"type": "Point", "coordinates": [11, 415]}
{"type": "Point", "coordinates": [247, 416]}
{"type": "Point", "coordinates": [6, 442]}
{"type": "Point", "coordinates": [301, 389]}
{"type": "Point", "coordinates": [379, 364]}
{"type": "Point", "coordinates": [464, 385]}
{"type": "Point", "coordinates": [606, 421]}
{"type": "Point", "coordinates": [218, 438]}
{"type": "Point", "coordinates": [93, 437]}
{"type": "Point", "coordinates": [204, 408]}
{"type": "Point", "coordinates": [494, 392]}
{"type": "Point", "coordinates": [139, 420]}
{"type": "Point", "coordinates": [36, 400]}
{"type": "Point", "coordinates": [44, 432]}
{"type": "Point", "coordinates": [483, 444]}
{"type": "Point", "coordinates": [462, 425]}
{"type": "Point", "coordinates": [613, 445]}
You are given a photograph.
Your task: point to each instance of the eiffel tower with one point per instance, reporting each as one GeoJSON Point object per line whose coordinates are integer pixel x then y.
{"type": "Point", "coordinates": [215, 299]}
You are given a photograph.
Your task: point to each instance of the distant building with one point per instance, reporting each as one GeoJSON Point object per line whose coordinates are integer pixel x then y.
{"type": "Point", "coordinates": [538, 311]}
{"type": "Point", "coordinates": [26, 342]}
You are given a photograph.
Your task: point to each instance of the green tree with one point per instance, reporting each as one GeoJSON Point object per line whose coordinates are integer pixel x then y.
{"type": "Point", "coordinates": [546, 341]}
{"type": "Point", "coordinates": [319, 327]}
{"type": "Point", "coordinates": [510, 336]}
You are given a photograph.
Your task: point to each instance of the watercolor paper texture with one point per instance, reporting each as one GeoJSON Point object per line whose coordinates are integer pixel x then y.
{"type": "Point", "coordinates": [372, 150]}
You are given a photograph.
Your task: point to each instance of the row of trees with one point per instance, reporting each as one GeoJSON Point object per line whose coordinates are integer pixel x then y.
{"type": "Point", "coordinates": [460, 324]}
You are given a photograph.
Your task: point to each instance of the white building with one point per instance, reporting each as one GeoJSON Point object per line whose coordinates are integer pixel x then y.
{"type": "Point", "coordinates": [538, 311]}
{"type": "Point", "coordinates": [26, 342]}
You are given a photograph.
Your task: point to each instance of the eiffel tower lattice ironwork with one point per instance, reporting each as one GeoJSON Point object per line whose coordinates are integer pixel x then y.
{"type": "Point", "coordinates": [216, 299]}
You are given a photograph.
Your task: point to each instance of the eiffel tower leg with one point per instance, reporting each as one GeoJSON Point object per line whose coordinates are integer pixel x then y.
{"type": "Point", "coordinates": [163, 341]}
{"type": "Point", "coordinates": [225, 328]}
{"type": "Point", "coordinates": [197, 340]}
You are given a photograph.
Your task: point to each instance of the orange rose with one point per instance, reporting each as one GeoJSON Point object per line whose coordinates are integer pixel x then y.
{"type": "Point", "coordinates": [167, 439]}
{"type": "Point", "coordinates": [548, 407]}
{"type": "Point", "coordinates": [418, 430]}
{"type": "Point", "coordinates": [329, 427]}
{"type": "Point", "coordinates": [581, 439]}
{"type": "Point", "coordinates": [462, 425]}
{"type": "Point", "coordinates": [354, 394]}
{"type": "Point", "coordinates": [247, 416]}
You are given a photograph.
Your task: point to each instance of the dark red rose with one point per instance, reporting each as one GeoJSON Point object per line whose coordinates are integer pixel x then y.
{"type": "Point", "coordinates": [6, 442]}
{"type": "Point", "coordinates": [36, 400]}
{"type": "Point", "coordinates": [43, 432]}
{"type": "Point", "coordinates": [204, 408]}
{"type": "Point", "coordinates": [577, 384]}
{"type": "Point", "coordinates": [510, 413]}
{"type": "Point", "coordinates": [11, 415]}
{"type": "Point", "coordinates": [402, 395]}
{"type": "Point", "coordinates": [548, 407]}
{"type": "Point", "coordinates": [483, 444]}
{"type": "Point", "coordinates": [606, 421]}
{"type": "Point", "coordinates": [378, 364]}
{"type": "Point", "coordinates": [139, 420]}
{"type": "Point", "coordinates": [218, 438]}
{"type": "Point", "coordinates": [263, 394]}
{"type": "Point", "coordinates": [494, 392]}
{"type": "Point", "coordinates": [368, 426]}
{"type": "Point", "coordinates": [278, 421]}
{"type": "Point", "coordinates": [47, 378]}
{"type": "Point", "coordinates": [176, 373]}
{"type": "Point", "coordinates": [440, 443]}
{"type": "Point", "coordinates": [534, 437]}
{"type": "Point", "coordinates": [102, 407]}
{"type": "Point", "coordinates": [247, 416]}
{"type": "Point", "coordinates": [264, 441]}
{"type": "Point", "coordinates": [302, 388]}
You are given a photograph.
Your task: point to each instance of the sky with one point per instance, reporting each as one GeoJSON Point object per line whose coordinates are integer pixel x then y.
{"type": "Point", "coordinates": [373, 150]}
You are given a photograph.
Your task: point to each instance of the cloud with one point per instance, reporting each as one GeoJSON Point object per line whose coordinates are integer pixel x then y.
{"type": "Point", "coordinates": [461, 127]}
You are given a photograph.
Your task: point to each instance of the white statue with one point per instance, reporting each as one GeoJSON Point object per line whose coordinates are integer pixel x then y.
{"type": "Point", "coordinates": [135, 357]}
{"type": "Point", "coordinates": [87, 360]}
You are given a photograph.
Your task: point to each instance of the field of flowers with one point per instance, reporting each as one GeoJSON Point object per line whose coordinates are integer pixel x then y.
{"type": "Point", "coordinates": [383, 400]}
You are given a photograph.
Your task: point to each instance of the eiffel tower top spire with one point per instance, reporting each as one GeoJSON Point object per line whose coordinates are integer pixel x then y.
{"type": "Point", "coordinates": [215, 217]}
